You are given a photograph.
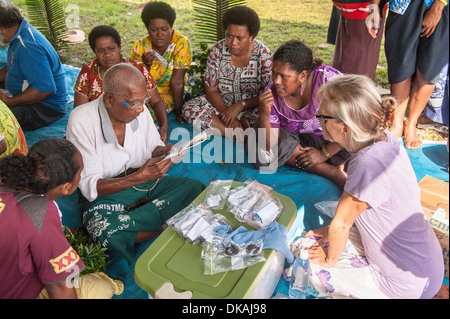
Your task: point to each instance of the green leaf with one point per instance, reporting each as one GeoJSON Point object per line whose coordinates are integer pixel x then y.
{"type": "Point", "coordinates": [208, 14]}
{"type": "Point", "coordinates": [92, 254]}
{"type": "Point", "coordinates": [47, 16]}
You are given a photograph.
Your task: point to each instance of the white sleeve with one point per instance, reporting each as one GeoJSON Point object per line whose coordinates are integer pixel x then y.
{"type": "Point", "coordinates": [81, 132]}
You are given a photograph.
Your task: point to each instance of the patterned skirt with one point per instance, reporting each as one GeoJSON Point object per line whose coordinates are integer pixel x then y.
{"type": "Point", "coordinates": [108, 221]}
{"type": "Point", "coordinates": [198, 111]}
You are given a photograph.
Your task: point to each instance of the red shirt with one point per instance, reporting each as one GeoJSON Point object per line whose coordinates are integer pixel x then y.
{"type": "Point", "coordinates": [33, 248]}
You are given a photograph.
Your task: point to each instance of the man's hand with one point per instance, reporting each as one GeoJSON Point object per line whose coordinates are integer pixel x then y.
{"type": "Point", "coordinates": [4, 97]}
{"type": "Point", "coordinates": [154, 169]}
{"type": "Point", "coordinates": [431, 19]}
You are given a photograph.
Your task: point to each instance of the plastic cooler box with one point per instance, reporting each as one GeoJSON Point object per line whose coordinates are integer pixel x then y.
{"type": "Point", "coordinates": [173, 268]}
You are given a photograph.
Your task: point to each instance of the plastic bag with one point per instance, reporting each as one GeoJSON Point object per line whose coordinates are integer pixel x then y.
{"type": "Point", "coordinates": [253, 204]}
{"type": "Point", "coordinates": [196, 223]}
{"type": "Point", "coordinates": [222, 254]}
{"type": "Point", "coordinates": [327, 207]}
{"type": "Point", "coordinates": [217, 194]}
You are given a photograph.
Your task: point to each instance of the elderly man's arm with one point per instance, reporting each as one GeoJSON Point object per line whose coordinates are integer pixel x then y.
{"type": "Point", "coordinates": [29, 96]}
{"type": "Point", "coordinates": [151, 170]}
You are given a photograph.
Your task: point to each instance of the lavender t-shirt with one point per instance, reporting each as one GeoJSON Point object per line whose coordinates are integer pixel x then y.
{"type": "Point", "coordinates": [301, 121]}
{"type": "Point", "coordinates": [402, 250]}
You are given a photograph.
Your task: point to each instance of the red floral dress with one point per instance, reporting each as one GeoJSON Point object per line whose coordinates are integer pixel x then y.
{"type": "Point", "coordinates": [89, 82]}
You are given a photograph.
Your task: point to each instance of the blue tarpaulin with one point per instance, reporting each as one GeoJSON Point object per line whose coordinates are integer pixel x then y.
{"type": "Point", "coordinates": [209, 163]}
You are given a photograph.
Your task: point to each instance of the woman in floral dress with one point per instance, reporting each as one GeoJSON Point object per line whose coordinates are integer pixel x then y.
{"type": "Point", "coordinates": [106, 43]}
{"type": "Point", "coordinates": [166, 53]}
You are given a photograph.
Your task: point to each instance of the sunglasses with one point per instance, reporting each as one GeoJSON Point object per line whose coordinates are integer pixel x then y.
{"type": "Point", "coordinates": [325, 117]}
{"type": "Point", "coordinates": [251, 249]}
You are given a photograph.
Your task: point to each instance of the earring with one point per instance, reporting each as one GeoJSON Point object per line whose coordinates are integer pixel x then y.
{"type": "Point", "coordinates": [301, 89]}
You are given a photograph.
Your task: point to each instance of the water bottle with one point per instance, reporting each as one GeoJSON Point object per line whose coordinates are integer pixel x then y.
{"type": "Point", "coordinates": [300, 277]}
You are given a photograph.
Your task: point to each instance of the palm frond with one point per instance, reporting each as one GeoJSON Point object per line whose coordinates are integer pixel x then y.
{"type": "Point", "coordinates": [47, 16]}
{"type": "Point", "coordinates": [208, 15]}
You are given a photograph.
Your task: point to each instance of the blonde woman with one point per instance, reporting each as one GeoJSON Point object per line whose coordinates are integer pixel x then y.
{"type": "Point", "coordinates": [392, 252]}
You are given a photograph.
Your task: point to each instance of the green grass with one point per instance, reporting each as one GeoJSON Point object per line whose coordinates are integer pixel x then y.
{"type": "Point", "coordinates": [283, 20]}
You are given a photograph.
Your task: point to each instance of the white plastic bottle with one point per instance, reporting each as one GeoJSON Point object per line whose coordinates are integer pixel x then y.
{"type": "Point", "coordinates": [300, 277]}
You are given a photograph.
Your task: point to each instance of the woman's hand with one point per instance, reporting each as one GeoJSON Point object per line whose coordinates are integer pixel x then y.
{"type": "Point", "coordinates": [231, 113]}
{"type": "Point", "coordinates": [147, 58]}
{"type": "Point", "coordinates": [373, 19]}
{"type": "Point", "coordinates": [322, 233]}
{"type": "Point", "coordinates": [265, 101]}
{"type": "Point", "coordinates": [318, 251]}
{"type": "Point", "coordinates": [318, 256]}
{"type": "Point", "coordinates": [164, 132]}
{"type": "Point", "coordinates": [179, 118]}
{"type": "Point", "coordinates": [309, 156]}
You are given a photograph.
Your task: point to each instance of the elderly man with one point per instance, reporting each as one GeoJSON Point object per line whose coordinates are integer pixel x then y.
{"type": "Point", "coordinates": [127, 196]}
{"type": "Point", "coordinates": [33, 74]}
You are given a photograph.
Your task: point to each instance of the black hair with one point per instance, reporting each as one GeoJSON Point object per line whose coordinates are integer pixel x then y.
{"type": "Point", "coordinates": [103, 31]}
{"type": "Point", "coordinates": [48, 164]}
{"type": "Point", "coordinates": [10, 15]}
{"type": "Point", "coordinates": [158, 10]}
{"type": "Point", "coordinates": [241, 15]}
{"type": "Point", "coordinates": [299, 56]}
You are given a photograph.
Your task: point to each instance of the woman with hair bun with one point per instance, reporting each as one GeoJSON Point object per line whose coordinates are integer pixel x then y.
{"type": "Point", "coordinates": [288, 107]}
{"type": "Point", "coordinates": [30, 225]}
{"type": "Point", "coordinates": [379, 243]}
{"type": "Point", "coordinates": [35, 253]}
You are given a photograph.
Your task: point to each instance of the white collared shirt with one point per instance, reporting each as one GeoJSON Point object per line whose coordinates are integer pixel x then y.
{"type": "Point", "coordinates": [90, 130]}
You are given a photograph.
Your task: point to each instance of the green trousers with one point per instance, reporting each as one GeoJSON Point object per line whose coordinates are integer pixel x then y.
{"type": "Point", "coordinates": [107, 220]}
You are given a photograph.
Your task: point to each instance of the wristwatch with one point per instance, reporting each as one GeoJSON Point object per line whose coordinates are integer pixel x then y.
{"type": "Point", "coordinates": [324, 151]}
{"type": "Point", "coordinates": [244, 105]}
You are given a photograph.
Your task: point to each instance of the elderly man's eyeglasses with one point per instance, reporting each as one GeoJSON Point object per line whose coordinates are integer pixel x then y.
{"type": "Point", "coordinates": [137, 104]}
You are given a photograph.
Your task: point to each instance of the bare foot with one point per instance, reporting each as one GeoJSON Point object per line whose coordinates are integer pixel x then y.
{"type": "Point", "coordinates": [442, 293]}
{"type": "Point", "coordinates": [423, 119]}
{"type": "Point", "coordinates": [397, 128]}
{"type": "Point", "coordinates": [410, 137]}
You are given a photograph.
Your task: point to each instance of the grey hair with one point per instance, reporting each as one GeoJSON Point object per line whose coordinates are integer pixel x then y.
{"type": "Point", "coordinates": [10, 15]}
{"type": "Point", "coordinates": [120, 76]}
{"type": "Point", "coordinates": [354, 100]}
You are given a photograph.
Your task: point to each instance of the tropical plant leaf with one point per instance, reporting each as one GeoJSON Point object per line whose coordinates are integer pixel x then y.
{"type": "Point", "coordinates": [47, 16]}
{"type": "Point", "coordinates": [208, 15]}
